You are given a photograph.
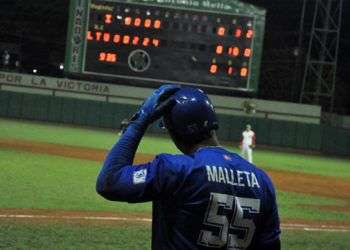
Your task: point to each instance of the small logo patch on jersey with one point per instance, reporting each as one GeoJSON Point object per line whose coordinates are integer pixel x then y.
{"type": "Point", "coordinates": [139, 176]}
{"type": "Point", "coordinates": [227, 158]}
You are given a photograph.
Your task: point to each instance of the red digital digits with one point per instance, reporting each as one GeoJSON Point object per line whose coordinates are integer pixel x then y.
{"type": "Point", "coordinates": [107, 57]}
{"type": "Point", "coordinates": [122, 39]}
{"type": "Point", "coordinates": [138, 22]}
{"type": "Point", "coordinates": [230, 70]}
{"type": "Point", "coordinates": [247, 52]}
{"type": "Point", "coordinates": [157, 24]}
{"type": "Point", "coordinates": [244, 72]}
{"type": "Point", "coordinates": [221, 31]}
{"type": "Point", "coordinates": [102, 56]}
{"type": "Point", "coordinates": [249, 34]}
{"type": "Point", "coordinates": [238, 33]}
{"type": "Point", "coordinates": [89, 36]}
{"type": "Point", "coordinates": [213, 68]}
{"type": "Point", "coordinates": [148, 23]}
{"type": "Point", "coordinates": [155, 42]}
{"type": "Point", "coordinates": [232, 51]}
{"type": "Point", "coordinates": [126, 39]}
{"type": "Point", "coordinates": [106, 37]}
{"type": "Point", "coordinates": [116, 38]}
{"type": "Point", "coordinates": [127, 20]}
{"type": "Point", "coordinates": [111, 57]}
{"type": "Point", "coordinates": [98, 35]}
{"type": "Point", "coordinates": [219, 49]}
{"type": "Point", "coordinates": [146, 41]}
{"type": "Point", "coordinates": [108, 18]}
{"type": "Point", "coordinates": [135, 40]}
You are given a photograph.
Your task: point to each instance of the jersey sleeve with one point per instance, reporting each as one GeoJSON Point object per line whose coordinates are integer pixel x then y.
{"type": "Point", "coordinates": [144, 182]}
{"type": "Point", "coordinates": [270, 227]}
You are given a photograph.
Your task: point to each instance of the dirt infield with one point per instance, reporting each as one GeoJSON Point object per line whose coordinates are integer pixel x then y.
{"type": "Point", "coordinates": [318, 185]}
{"type": "Point", "coordinates": [82, 153]}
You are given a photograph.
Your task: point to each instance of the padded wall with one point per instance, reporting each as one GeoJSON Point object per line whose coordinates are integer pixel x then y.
{"type": "Point", "coordinates": [109, 115]}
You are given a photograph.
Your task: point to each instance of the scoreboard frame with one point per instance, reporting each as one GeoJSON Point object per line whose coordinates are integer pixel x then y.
{"type": "Point", "coordinates": [78, 28]}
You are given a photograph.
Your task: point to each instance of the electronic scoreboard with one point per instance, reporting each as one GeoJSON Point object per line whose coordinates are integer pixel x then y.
{"type": "Point", "coordinates": [210, 43]}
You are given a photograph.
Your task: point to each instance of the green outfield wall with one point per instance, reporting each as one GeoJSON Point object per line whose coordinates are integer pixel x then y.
{"type": "Point", "coordinates": [329, 140]}
{"type": "Point", "coordinates": [126, 94]}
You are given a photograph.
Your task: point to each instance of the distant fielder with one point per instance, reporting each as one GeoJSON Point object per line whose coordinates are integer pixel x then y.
{"type": "Point", "coordinates": [205, 198]}
{"type": "Point", "coordinates": [248, 143]}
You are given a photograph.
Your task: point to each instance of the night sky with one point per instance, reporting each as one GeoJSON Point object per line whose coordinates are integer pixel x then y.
{"type": "Point", "coordinates": [39, 27]}
{"type": "Point", "coordinates": [282, 30]}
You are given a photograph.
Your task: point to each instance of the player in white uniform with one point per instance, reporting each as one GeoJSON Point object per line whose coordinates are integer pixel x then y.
{"type": "Point", "coordinates": [248, 143]}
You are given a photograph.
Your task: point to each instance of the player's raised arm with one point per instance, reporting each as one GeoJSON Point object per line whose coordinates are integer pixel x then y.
{"type": "Point", "coordinates": [117, 169]}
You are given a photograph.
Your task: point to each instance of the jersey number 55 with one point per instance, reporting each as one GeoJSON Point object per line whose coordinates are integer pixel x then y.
{"type": "Point", "coordinates": [236, 233]}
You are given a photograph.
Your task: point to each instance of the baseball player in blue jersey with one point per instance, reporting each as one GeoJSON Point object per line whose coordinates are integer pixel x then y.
{"type": "Point", "coordinates": [206, 198]}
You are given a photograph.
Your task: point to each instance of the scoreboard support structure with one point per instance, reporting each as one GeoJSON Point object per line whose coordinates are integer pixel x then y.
{"type": "Point", "coordinates": [213, 44]}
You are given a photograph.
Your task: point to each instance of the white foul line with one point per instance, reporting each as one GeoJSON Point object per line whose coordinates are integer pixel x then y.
{"type": "Point", "coordinates": [286, 226]}
{"type": "Point", "coordinates": [306, 227]}
{"type": "Point", "coordinates": [30, 216]}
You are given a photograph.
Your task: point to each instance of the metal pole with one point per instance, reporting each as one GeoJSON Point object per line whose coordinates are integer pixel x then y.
{"type": "Point", "coordinates": [308, 54]}
{"type": "Point", "coordinates": [299, 56]}
{"type": "Point", "coordinates": [322, 54]}
{"type": "Point", "coordinates": [336, 54]}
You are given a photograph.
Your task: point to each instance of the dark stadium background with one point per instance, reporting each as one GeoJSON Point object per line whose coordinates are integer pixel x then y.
{"type": "Point", "coordinates": [39, 30]}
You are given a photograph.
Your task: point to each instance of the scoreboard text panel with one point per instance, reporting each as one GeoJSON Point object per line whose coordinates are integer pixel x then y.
{"type": "Point", "coordinates": [152, 43]}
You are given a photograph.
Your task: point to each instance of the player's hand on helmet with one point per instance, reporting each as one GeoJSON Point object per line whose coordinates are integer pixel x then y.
{"type": "Point", "coordinates": [156, 105]}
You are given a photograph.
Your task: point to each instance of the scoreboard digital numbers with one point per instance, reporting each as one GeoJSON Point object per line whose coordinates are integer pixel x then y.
{"type": "Point", "coordinates": [216, 44]}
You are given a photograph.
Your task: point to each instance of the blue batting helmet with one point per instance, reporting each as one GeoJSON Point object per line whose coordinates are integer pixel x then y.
{"type": "Point", "coordinates": [193, 117]}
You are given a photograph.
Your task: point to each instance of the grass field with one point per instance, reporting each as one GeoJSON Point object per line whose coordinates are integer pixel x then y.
{"type": "Point", "coordinates": [95, 236]}
{"type": "Point", "coordinates": [40, 181]}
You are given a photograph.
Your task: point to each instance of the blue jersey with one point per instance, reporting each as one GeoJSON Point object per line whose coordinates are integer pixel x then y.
{"type": "Point", "coordinates": [211, 199]}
